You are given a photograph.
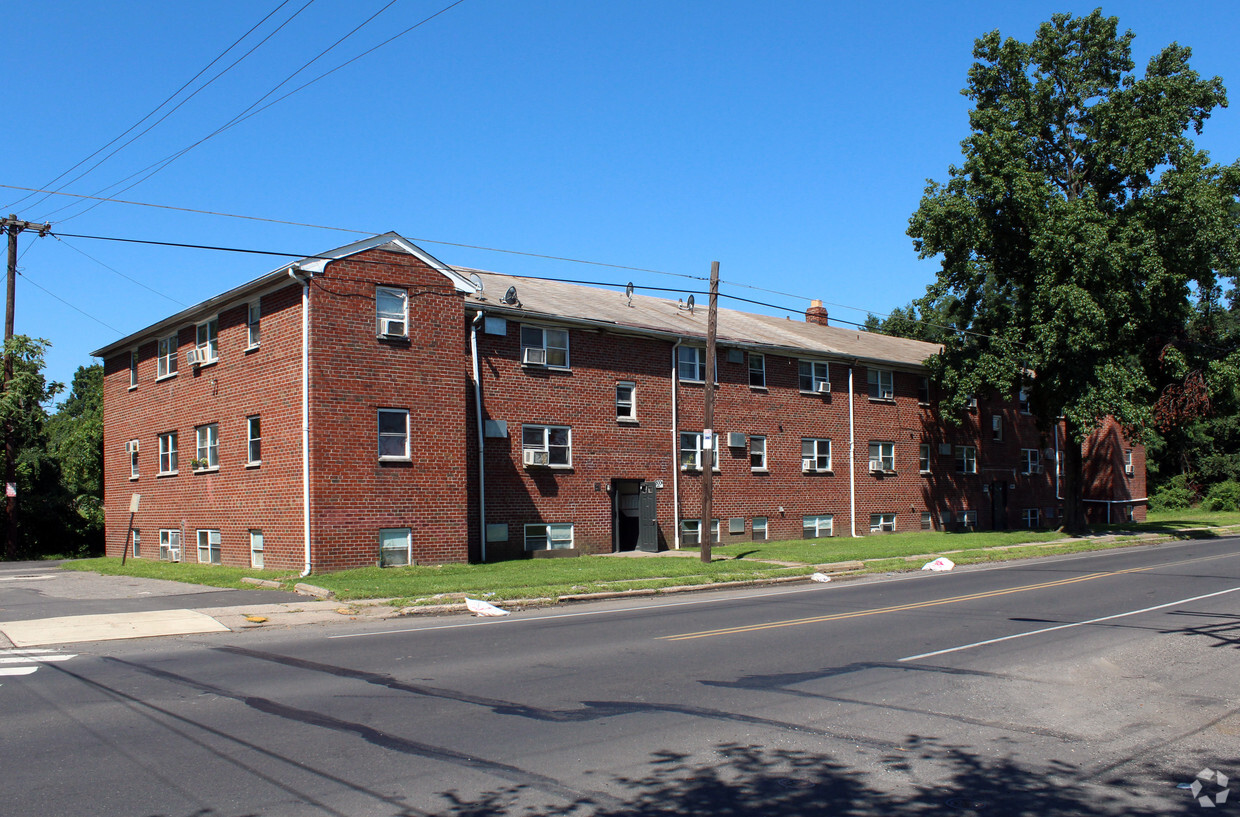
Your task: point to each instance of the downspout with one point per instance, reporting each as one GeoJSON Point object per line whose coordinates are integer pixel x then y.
{"type": "Point", "coordinates": [852, 459]}
{"type": "Point", "coordinates": [482, 479]}
{"type": "Point", "coordinates": [675, 450]}
{"type": "Point", "coordinates": [293, 272]}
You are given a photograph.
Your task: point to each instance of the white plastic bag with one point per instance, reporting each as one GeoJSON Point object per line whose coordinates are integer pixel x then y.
{"type": "Point", "coordinates": [820, 577]}
{"type": "Point", "coordinates": [483, 608]}
{"type": "Point", "coordinates": [941, 563]}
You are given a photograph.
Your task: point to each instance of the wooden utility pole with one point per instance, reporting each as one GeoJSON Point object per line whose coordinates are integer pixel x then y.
{"type": "Point", "coordinates": [12, 226]}
{"type": "Point", "coordinates": [708, 414]}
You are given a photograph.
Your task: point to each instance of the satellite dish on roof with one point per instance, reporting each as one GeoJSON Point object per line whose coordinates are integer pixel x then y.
{"type": "Point", "coordinates": [510, 297]}
{"type": "Point", "coordinates": [689, 303]}
{"type": "Point", "coordinates": [628, 292]}
{"type": "Point", "coordinates": [476, 280]}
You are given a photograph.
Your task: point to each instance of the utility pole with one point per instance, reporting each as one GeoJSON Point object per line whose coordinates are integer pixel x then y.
{"type": "Point", "coordinates": [12, 226]}
{"type": "Point", "coordinates": [708, 415]}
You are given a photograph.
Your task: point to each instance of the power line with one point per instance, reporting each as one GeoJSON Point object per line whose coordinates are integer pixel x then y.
{"type": "Point", "coordinates": [33, 283]}
{"type": "Point", "coordinates": [113, 269]}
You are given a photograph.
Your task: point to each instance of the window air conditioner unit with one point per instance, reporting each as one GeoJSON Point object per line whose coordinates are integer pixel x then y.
{"type": "Point", "coordinates": [736, 439]}
{"type": "Point", "coordinates": [876, 465]}
{"type": "Point", "coordinates": [533, 457]}
{"type": "Point", "coordinates": [807, 464]}
{"type": "Point", "coordinates": [534, 356]}
{"type": "Point", "coordinates": [823, 387]}
{"type": "Point", "coordinates": [1129, 471]}
{"type": "Point", "coordinates": [196, 357]}
{"type": "Point", "coordinates": [392, 327]}
{"type": "Point", "coordinates": [131, 447]}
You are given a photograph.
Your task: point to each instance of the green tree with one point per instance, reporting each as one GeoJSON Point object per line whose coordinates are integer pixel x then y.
{"type": "Point", "coordinates": [1073, 233]}
{"type": "Point", "coordinates": [75, 441]}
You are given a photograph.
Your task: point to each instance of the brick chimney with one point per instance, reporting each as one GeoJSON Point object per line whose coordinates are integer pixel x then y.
{"type": "Point", "coordinates": [817, 313]}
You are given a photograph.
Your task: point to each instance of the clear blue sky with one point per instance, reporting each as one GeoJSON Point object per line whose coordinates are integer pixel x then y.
{"type": "Point", "coordinates": [790, 141]}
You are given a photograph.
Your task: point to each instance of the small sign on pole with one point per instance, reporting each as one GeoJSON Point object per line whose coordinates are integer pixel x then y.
{"type": "Point", "coordinates": [134, 499]}
{"type": "Point", "coordinates": [708, 439]}
{"type": "Point", "coordinates": [10, 489]}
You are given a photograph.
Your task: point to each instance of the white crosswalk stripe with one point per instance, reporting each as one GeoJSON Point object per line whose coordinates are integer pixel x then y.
{"type": "Point", "coordinates": [25, 662]}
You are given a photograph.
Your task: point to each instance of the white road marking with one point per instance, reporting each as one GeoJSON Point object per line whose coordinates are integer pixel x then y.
{"type": "Point", "coordinates": [29, 660]}
{"type": "Point", "coordinates": [1065, 626]}
{"type": "Point", "coordinates": [31, 578]}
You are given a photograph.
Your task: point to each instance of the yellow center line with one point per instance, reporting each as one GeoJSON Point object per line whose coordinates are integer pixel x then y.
{"type": "Point", "coordinates": [898, 608]}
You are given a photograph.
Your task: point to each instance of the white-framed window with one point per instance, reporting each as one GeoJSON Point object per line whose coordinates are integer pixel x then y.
{"type": "Point", "coordinates": [882, 523]}
{"type": "Point", "coordinates": [254, 440]}
{"type": "Point", "coordinates": [1025, 408]}
{"type": "Point", "coordinates": [970, 402]}
{"type": "Point", "coordinates": [923, 390]}
{"type": "Point", "coordinates": [923, 458]}
{"type": "Point", "coordinates": [207, 340]}
{"type": "Point", "coordinates": [253, 319]}
{"type": "Point", "coordinates": [882, 384]}
{"type": "Point", "coordinates": [168, 452]}
{"type": "Point", "coordinates": [132, 448]}
{"type": "Point", "coordinates": [757, 371]}
{"type": "Point", "coordinates": [133, 369]}
{"type": "Point", "coordinates": [544, 346]}
{"type": "Point", "coordinates": [1031, 517]}
{"type": "Point", "coordinates": [968, 520]}
{"type": "Point", "coordinates": [256, 548]}
{"type": "Point", "coordinates": [551, 443]}
{"type": "Point", "coordinates": [208, 449]}
{"type": "Point", "coordinates": [393, 434]}
{"type": "Point", "coordinates": [966, 459]}
{"type": "Point", "coordinates": [927, 520]}
{"type": "Point", "coordinates": [813, 376]}
{"type": "Point", "coordinates": [691, 532]}
{"type": "Point", "coordinates": [555, 536]}
{"type": "Point", "coordinates": [136, 540]}
{"type": "Point", "coordinates": [759, 529]}
{"type": "Point", "coordinates": [691, 364]}
{"type": "Point", "coordinates": [208, 547]}
{"type": "Point", "coordinates": [882, 456]}
{"type": "Point", "coordinates": [996, 427]}
{"type": "Point", "coordinates": [1128, 467]}
{"type": "Point", "coordinates": [817, 526]}
{"type": "Point", "coordinates": [395, 547]}
{"type": "Point", "coordinates": [757, 452]}
{"type": "Point", "coordinates": [1031, 461]}
{"type": "Point", "coordinates": [691, 451]}
{"type": "Point", "coordinates": [815, 454]}
{"type": "Point", "coordinates": [167, 365]}
{"type": "Point", "coordinates": [626, 400]}
{"type": "Point", "coordinates": [391, 312]}
{"type": "Point", "coordinates": [170, 545]}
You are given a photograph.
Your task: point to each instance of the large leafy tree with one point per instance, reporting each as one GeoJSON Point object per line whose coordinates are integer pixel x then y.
{"type": "Point", "coordinates": [75, 441]}
{"type": "Point", "coordinates": [1078, 227]}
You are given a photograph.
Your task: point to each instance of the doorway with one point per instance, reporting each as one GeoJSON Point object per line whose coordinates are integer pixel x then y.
{"type": "Point", "coordinates": [634, 515]}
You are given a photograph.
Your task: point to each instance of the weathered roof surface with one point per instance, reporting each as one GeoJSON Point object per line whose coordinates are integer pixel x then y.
{"type": "Point", "coordinates": [551, 300]}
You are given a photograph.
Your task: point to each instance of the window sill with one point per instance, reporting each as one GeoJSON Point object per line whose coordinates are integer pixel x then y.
{"type": "Point", "coordinates": [253, 348]}
{"type": "Point", "coordinates": [759, 470]}
{"type": "Point", "coordinates": [134, 387]}
{"type": "Point", "coordinates": [752, 387]}
{"type": "Point", "coordinates": [815, 392]}
{"type": "Point", "coordinates": [882, 400]}
{"type": "Point", "coordinates": [826, 471]}
{"type": "Point", "coordinates": [133, 478]}
{"type": "Point", "coordinates": [254, 464]}
{"type": "Point", "coordinates": [925, 473]}
{"type": "Point", "coordinates": [395, 459]}
{"type": "Point", "coordinates": [167, 473]}
{"type": "Point", "coordinates": [207, 363]}
{"type": "Point", "coordinates": [209, 470]}
{"type": "Point", "coordinates": [166, 376]}
{"type": "Point", "coordinates": [546, 367]}
{"type": "Point", "coordinates": [628, 420]}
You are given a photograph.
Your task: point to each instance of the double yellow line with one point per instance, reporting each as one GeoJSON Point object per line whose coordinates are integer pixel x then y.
{"type": "Point", "coordinates": [899, 608]}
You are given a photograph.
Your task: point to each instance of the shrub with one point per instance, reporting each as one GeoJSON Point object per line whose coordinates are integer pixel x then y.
{"type": "Point", "coordinates": [1224, 496]}
{"type": "Point", "coordinates": [1173, 495]}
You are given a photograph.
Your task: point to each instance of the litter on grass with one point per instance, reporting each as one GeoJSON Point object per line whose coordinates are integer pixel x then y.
{"type": "Point", "coordinates": [820, 577]}
{"type": "Point", "coordinates": [941, 563]}
{"type": "Point", "coordinates": [483, 608]}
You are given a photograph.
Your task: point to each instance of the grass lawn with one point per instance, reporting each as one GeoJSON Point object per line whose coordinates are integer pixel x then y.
{"type": "Point", "coordinates": [210, 575]}
{"type": "Point", "coordinates": [879, 546]}
{"type": "Point", "coordinates": [1190, 518]}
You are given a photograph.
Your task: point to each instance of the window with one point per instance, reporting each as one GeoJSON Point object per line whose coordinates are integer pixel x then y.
{"type": "Point", "coordinates": [966, 459]}
{"type": "Point", "coordinates": [691, 363]}
{"type": "Point", "coordinates": [927, 520]}
{"type": "Point", "coordinates": [133, 369]}
{"type": "Point", "coordinates": [691, 532]}
{"type": "Point", "coordinates": [882, 384]}
{"type": "Point", "coordinates": [970, 402]}
{"type": "Point", "coordinates": [1024, 402]}
{"type": "Point", "coordinates": [996, 427]}
{"type": "Point", "coordinates": [394, 547]}
{"type": "Point", "coordinates": [253, 316]}
{"type": "Point", "coordinates": [391, 312]}
{"type": "Point", "coordinates": [626, 400]}
{"type": "Point", "coordinates": [759, 528]}
{"type": "Point", "coordinates": [882, 456]}
{"type": "Point", "coordinates": [254, 440]}
{"type": "Point", "coordinates": [882, 523]}
{"type": "Point", "coordinates": [1031, 461]}
{"type": "Point", "coordinates": [393, 434]}
{"type": "Point", "coordinates": [549, 537]}
{"type": "Point", "coordinates": [815, 454]}
{"type": "Point", "coordinates": [208, 547]}
{"type": "Point", "coordinates": [757, 453]}
{"type": "Point", "coordinates": [923, 390]}
{"type": "Point", "coordinates": [812, 376]}
{"type": "Point", "coordinates": [968, 520]}
{"type": "Point", "coordinates": [817, 527]}
{"type": "Point", "coordinates": [168, 453]}
{"type": "Point", "coordinates": [137, 544]}
{"type": "Point", "coordinates": [544, 347]}
{"type": "Point", "coordinates": [132, 448]}
{"type": "Point", "coordinates": [208, 341]}
{"type": "Point", "coordinates": [167, 366]}
{"type": "Point", "coordinates": [691, 451]}
{"type": "Point", "coordinates": [1031, 517]}
{"type": "Point", "coordinates": [208, 453]}
{"type": "Point", "coordinates": [547, 445]}
{"type": "Point", "coordinates": [256, 548]}
{"type": "Point", "coordinates": [1128, 469]}
{"type": "Point", "coordinates": [170, 545]}
{"type": "Point", "coordinates": [923, 458]}
{"type": "Point", "coordinates": [757, 371]}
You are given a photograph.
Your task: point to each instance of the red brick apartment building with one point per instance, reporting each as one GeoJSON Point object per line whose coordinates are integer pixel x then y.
{"type": "Point", "coordinates": [374, 405]}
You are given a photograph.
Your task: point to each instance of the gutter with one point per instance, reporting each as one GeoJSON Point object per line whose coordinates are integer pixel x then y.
{"type": "Point", "coordinates": [675, 449]}
{"type": "Point", "coordinates": [293, 272]}
{"type": "Point", "coordinates": [852, 459]}
{"type": "Point", "coordinates": [482, 480]}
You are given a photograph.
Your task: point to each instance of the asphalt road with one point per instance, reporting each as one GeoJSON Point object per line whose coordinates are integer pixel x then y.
{"type": "Point", "coordinates": [1088, 685]}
